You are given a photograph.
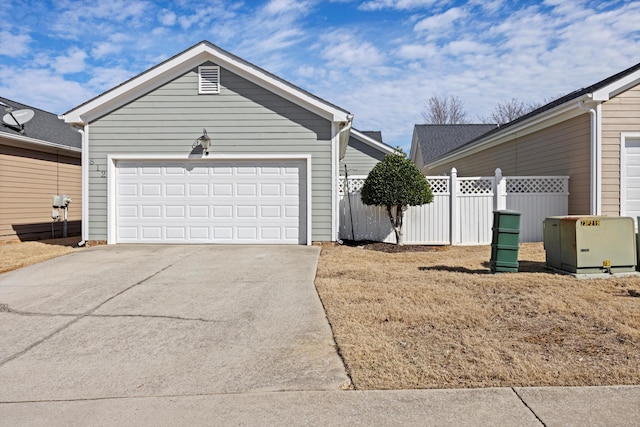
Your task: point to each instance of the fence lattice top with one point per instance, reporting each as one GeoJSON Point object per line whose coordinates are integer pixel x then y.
{"type": "Point", "coordinates": [476, 185]}
{"type": "Point", "coordinates": [439, 185]}
{"type": "Point", "coordinates": [480, 185]}
{"type": "Point", "coordinates": [530, 185]}
{"type": "Point", "coordinates": [355, 185]}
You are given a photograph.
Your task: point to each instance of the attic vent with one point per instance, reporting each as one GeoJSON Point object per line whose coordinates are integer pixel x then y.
{"type": "Point", "coordinates": [208, 79]}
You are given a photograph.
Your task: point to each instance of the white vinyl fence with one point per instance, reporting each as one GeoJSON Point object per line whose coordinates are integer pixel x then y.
{"type": "Point", "coordinates": [462, 209]}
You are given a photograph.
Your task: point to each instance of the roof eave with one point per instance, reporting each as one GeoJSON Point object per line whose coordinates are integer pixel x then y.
{"type": "Point", "coordinates": [372, 142]}
{"type": "Point", "coordinates": [557, 114]}
{"type": "Point", "coordinates": [29, 142]}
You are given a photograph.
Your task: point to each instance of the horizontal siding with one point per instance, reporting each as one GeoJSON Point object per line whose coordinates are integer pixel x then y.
{"type": "Point", "coordinates": [28, 180]}
{"type": "Point", "coordinates": [562, 149]}
{"type": "Point", "coordinates": [619, 114]}
{"type": "Point", "coordinates": [243, 119]}
{"type": "Point", "coordinates": [360, 158]}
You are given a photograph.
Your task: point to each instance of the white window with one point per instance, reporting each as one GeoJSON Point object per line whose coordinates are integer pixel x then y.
{"type": "Point", "coordinates": [208, 79]}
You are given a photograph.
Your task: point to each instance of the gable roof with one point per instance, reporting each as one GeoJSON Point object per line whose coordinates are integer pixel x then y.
{"type": "Point", "coordinates": [436, 140]}
{"type": "Point", "coordinates": [373, 139]}
{"type": "Point", "coordinates": [575, 101]}
{"type": "Point", "coordinates": [373, 134]}
{"type": "Point", "coordinates": [187, 60]}
{"type": "Point", "coordinates": [44, 129]}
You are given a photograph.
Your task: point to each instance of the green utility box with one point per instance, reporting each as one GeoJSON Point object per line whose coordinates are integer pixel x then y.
{"type": "Point", "coordinates": [505, 241]}
{"type": "Point", "coordinates": [590, 244]}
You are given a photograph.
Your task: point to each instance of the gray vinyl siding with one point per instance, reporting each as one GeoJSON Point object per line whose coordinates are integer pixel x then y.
{"type": "Point", "coordinates": [620, 114]}
{"type": "Point", "coordinates": [360, 158]}
{"type": "Point", "coordinates": [243, 119]}
{"type": "Point", "coordinates": [561, 149]}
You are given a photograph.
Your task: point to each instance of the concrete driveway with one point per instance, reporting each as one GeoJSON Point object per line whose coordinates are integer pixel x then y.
{"type": "Point", "coordinates": [122, 321]}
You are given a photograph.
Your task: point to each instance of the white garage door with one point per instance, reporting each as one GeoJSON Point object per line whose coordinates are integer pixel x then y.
{"type": "Point", "coordinates": [211, 201]}
{"type": "Point", "coordinates": [630, 188]}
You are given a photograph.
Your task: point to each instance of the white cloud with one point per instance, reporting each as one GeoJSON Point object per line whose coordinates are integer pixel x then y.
{"type": "Point", "coordinates": [103, 49]}
{"type": "Point", "coordinates": [14, 45]}
{"type": "Point", "coordinates": [42, 89]}
{"type": "Point", "coordinates": [373, 5]}
{"type": "Point", "coordinates": [276, 7]}
{"type": "Point", "coordinates": [167, 18]}
{"type": "Point", "coordinates": [347, 51]}
{"type": "Point", "coordinates": [439, 25]}
{"type": "Point", "coordinates": [72, 62]}
{"type": "Point", "coordinates": [417, 51]}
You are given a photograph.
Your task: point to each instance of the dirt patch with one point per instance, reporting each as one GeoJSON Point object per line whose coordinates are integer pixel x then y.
{"type": "Point", "coordinates": [18, 255]}
{"type": "Point", "coordinates": [440, 319]}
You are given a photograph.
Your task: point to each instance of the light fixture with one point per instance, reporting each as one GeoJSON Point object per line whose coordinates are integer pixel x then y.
{"type": "Point", "coordinates": [204, 141]}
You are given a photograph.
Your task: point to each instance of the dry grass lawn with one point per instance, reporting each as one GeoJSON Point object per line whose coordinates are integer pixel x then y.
{"type": "Point", "coordinates": [439, 319]}
{"type": "Point", "coordinates": [21, 254]}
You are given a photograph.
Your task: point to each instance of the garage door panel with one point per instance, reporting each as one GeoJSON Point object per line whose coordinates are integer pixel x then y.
{"type": "Point", "coordinates": [212, 202]}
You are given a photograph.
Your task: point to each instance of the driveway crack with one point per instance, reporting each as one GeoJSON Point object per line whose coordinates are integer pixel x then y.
{"type": "Point", "coordinates": [528, 407]}
{"type": "Point", "coordinates": [79, 317]}
{"type": "Point", "coordinates": [4, 308]}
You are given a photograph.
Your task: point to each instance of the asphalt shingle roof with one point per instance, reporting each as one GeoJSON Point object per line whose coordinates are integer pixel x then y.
{"type": "Point", "coordinates": [436, 140]}
{"type": "Point", "coordinates": [44, 126]}
{"type": "Point", "coordinates": [562, 100]}
{"type": "Point", "coordinates": [373, 134]}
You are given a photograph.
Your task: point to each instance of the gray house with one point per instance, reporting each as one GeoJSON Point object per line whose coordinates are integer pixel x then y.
{"type": "Point", "coordinates": [432, 141]}
{"type": "Point", "coordinates": [364, 151]}
{"type": "Point", "coordinates": [208, 148]}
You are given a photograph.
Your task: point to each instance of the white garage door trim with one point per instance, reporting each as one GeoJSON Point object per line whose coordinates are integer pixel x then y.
{"type": "Point", "coordinates": [113, 159]}
{"type": "Point", "coordinates": [625, 138]}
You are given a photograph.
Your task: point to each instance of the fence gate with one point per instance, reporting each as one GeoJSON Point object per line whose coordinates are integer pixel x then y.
{"type": "Point", "coordinates": [462, 209]}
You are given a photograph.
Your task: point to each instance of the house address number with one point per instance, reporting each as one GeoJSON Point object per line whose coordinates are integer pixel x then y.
{"type": "Point", "coordinates": [590, 223]}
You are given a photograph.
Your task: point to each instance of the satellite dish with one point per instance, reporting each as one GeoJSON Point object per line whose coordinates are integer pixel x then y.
{"type": "Point", "coordinates": [18, 117]}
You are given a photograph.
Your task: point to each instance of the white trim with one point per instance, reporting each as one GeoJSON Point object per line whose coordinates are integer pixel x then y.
{"type": "Point", "coordinates": [335, 164]}
{"type": "Point", "coordinates": [112, 159]}
{"type": "Point", "coordinates": [623, 169]}
{"type": "Point", "coordinates": [188, 60]}
{"type": "Point", "coordinates": [372, 142]}
{"type": "Point", "coordinates": [617, 87]}
{"type": "Point", "coordinates": [33, 143]}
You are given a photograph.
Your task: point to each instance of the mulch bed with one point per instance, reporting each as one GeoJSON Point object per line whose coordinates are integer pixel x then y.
{"type": "Point", "coordinates": [391, 247]}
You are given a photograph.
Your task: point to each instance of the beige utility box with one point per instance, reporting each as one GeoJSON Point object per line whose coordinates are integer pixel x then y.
{"type": "Point", "coordinates": [590, 244]}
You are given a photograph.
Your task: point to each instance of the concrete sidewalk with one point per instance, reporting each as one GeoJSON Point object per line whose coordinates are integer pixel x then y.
{"type": "Point", "coordinates": [554, 406]}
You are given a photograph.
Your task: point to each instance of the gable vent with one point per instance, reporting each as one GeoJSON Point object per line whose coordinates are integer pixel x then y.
{"type": "Point", "coordinates": [208, 79]}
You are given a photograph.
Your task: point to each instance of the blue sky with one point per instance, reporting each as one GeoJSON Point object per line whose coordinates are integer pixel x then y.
{"type": "Point", "coordinates": [379, 59]}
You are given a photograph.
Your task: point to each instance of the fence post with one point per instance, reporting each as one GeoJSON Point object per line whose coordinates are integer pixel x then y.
{"type": "Point", "coordinates": [500, 192]}
{"type": "Point", "coordinates": [454, 221]}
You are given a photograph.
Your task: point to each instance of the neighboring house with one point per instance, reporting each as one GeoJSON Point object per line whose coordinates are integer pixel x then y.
{"type": "Point", "coordinates": [270, 175]}
{"type": "Point", "coordinates": [364, 151]}
{"type": "Point", "coordinates": [592, 135]}
{"type": "Point", "coordinates": [432, 141]}
{"type": "Point", "coordinates": [37, 162]}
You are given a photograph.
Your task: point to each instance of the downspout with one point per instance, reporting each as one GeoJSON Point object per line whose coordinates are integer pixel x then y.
{"type": "Point", "coordinates": [596, 155]}
{"type": "Point", "coordinates": [338, 153]}
{"type": "Point", "coordinates": [85, 187]}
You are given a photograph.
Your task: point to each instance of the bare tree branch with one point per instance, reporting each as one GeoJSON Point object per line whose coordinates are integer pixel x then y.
{"type": "Point", "coordinates": [444, 110]}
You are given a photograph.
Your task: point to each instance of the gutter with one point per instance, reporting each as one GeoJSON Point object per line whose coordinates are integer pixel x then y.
{"type": "Point", "coordinates": [40, 143]}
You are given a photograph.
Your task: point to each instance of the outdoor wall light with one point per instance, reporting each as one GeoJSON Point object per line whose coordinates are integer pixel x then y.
{"type": "Point", "coordinates": [204, 141]}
